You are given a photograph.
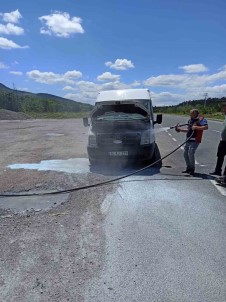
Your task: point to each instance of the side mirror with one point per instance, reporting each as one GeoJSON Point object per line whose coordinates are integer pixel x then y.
{"type": "Point", "coordinates": [86, 122]}
{"type": "Point", "coordinates": [158, 119]}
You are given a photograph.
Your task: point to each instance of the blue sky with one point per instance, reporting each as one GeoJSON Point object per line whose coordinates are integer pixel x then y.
{"type": "Point", "coordinates": [176, 48]}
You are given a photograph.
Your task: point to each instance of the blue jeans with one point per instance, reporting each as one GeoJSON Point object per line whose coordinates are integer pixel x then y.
{"type": "Point", "coordinates": [189, 154]}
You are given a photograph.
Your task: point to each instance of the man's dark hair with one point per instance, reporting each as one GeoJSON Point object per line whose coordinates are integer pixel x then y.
{"type": "Point", "coordinates": [195, 111]}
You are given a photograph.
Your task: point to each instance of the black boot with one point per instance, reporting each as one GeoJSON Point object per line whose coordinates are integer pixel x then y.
{"type": "Point", "coordinates": [192, 172]}
{"type": "Point", "coordinates": [215, 172]}
{"type": "Point", "coordinates": [186, 171]}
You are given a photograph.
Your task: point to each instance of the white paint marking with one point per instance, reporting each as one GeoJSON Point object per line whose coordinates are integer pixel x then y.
{"type": "Point", "coordinates": [170, 134]}
{"type": "Point", "coordinates": [222, 190]}
{"type": "Point", "coordinates": [54, 134]}
{"type": "Point", "coordinates": [182, 148]}
{"type": "Point", "coordinates": [196, 162]}
{"type": "Point", "coordinates": [216, 131]}
{"type": "Point", "coordinates": [174, 139]}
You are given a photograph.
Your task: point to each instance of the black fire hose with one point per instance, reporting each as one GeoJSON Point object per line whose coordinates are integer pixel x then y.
{"type": "Point", "coordinates": [100, 183]}
{"type": "Point", "coordinates": [179, 126]}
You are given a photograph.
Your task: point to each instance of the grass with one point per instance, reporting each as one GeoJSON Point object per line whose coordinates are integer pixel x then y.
{"type": "Point", "coordinates": [57, 115]}
{"type": "Point", "coordinates": [214, 116]}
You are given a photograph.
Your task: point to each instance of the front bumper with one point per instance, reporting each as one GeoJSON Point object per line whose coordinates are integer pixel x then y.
{"type": "Point", "coordinates": [141, 153]}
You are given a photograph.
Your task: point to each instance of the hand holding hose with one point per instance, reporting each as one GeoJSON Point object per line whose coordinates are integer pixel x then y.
{"type": "Point", "coordinates": [177, 129]}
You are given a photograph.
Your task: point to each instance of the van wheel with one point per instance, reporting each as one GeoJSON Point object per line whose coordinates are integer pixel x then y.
{"type": "Point", "coordinates": [93, 162]}
{"type": "Point", "coordinates": [156, 156]}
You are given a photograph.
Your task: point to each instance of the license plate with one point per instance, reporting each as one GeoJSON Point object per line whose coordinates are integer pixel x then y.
{"type": "Point", "coordinates": [118, 153]}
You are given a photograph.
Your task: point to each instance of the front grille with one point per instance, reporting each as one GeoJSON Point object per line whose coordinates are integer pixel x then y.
{"type": "Point", "coordinates": [126, 138]}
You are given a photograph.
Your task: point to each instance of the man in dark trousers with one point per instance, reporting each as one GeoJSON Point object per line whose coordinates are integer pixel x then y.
{"type": "Point", "coordinates": [194, 131]}
{"type": "Point", "coordinates": [221, 152]}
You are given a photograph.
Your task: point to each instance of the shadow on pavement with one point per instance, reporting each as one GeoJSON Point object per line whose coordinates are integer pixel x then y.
{"type": "Point", "coordinates": [202, 176]}
{"type": "Point", "coordinates": [120, 169]}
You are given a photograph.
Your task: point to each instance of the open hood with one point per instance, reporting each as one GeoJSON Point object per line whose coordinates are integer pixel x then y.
{"type": "Point", "coordinates": [115, 107]}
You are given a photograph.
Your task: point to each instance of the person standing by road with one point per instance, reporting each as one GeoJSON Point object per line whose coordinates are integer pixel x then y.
{"type": "Point", "coordinates": [194, 131]}
{"type": "Point", "coordinates": [221, 152]}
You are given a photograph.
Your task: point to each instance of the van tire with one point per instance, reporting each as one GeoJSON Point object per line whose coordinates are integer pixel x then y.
{"type": "Point", "coordinates": [156, 156]}
{"type": "Point", "coordinates": [93, 162]}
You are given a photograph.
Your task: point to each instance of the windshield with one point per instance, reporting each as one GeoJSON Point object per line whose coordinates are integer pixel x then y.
{"type": "Point", "coordinates": [120, 112]}
{"type": "Point", "coordinates": [117, 116]}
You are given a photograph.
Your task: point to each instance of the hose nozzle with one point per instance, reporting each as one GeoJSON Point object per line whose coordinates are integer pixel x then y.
{"type": "Point", "coordinates": [178, 125]}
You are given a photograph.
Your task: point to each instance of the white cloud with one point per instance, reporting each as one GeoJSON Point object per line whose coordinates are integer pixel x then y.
{"type": "Point", "coordinates": [73, 96]}
{"type": "Point", "coordinates": [3, 66]}
{"type": "Point", "coordinates": [115, 85]}
{"type": "Point", "coordinates": [53, 78]}
{"type": "Point", "coordinates": [216, 90]}
{"type": "Point", "coordinates": [222, 67]}
{"type": "Point", "coordinates": [166, 80]}
{"type": "Point", "coordinates": [9, 44]}
{"type": "Point", "coordinates": [17, 73]}
{"type": "Point", "coordinates": [23, 89]}
{"type": "Point", "coordinates": [194, 68]}
{"type": "Point", "coordinates": [12, 17]}
{"type": "Point", "coordinates": [120, 64]}
{"type": "Point", "coordinates": [108, 76]}
{"type": "Point", "coordinates": [169, 98]}
{"type": "Point", "coordinates": [136, 84]}
{"type": "Point", "coordinates": [60, 24]}
{"type": "Point", "coordinates": [11, 29]}
{"type": "Point", "coordinates": [68, 88]}
{"type": "Point", "coordinates": [83, 97]}
{"type": "Point", "coordinates": [176, 88]}
{"type": "Point", "coordinates": [217, 76]}
{"type": "Point", "coordinates": [187, 82]}
{"type": "Point", "coordinates": [88, 86]}
{"type": "Point", "coordinates": [87, 91]}
{"type": "Point", "coordinates": [166, 98]}
{"type": "Point", "coordinates": [73, 74]}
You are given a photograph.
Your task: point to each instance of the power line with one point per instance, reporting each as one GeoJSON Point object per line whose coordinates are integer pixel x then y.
{"type": "Point", "coordinates": [205, 96]}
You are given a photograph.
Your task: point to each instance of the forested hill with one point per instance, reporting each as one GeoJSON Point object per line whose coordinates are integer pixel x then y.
{"type": "Point", "coordinates": [210, 106]}
{"type": "Point", "coordinates": [22, 101]}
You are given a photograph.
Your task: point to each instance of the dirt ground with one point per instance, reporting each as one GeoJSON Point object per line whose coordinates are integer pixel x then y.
{"type": "Point", "coordinates": [32, 141]}
{"type": "Point", "coordinates": [49, 255]}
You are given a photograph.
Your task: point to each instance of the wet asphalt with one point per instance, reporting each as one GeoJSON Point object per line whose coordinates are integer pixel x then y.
{"type": "Point", "coordinates": [165, 231]}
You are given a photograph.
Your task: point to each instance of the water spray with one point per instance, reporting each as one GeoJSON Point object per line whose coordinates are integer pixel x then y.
{"type": "Point", "coordinates": [162, 129]}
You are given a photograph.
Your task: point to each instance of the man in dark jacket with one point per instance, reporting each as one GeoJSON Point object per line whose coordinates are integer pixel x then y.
{"type": "Point", "coordinates": [194, 131]}
{"type": "Point", "coordinates": [221, 152]}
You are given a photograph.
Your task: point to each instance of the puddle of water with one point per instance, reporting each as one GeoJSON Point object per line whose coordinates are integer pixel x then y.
{"type": "Point", "coordinates": [72, 165]}
{"type": "Point", "coordinates": [54, 134]}
{"type": "Point", "coordinates": [32, 203]}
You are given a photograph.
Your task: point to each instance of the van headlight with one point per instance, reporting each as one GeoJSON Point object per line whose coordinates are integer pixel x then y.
{"type": "Point", "coordinates": [92, 140]}
{"type": "Point", "coordinates": [145, 138]}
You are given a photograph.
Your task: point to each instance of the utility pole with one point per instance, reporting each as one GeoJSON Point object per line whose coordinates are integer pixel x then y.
{"type": "Point", "coordinates": [205, 98]}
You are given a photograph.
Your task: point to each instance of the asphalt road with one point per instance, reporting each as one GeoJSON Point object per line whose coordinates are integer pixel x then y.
{"type": "Point", "coordinates": [155, 236]}
{"type": "Point", "coordinates": [165, 233]}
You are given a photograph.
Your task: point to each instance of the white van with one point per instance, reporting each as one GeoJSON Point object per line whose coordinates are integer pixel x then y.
{"type": "Point", "coordinates": [121, 127]}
